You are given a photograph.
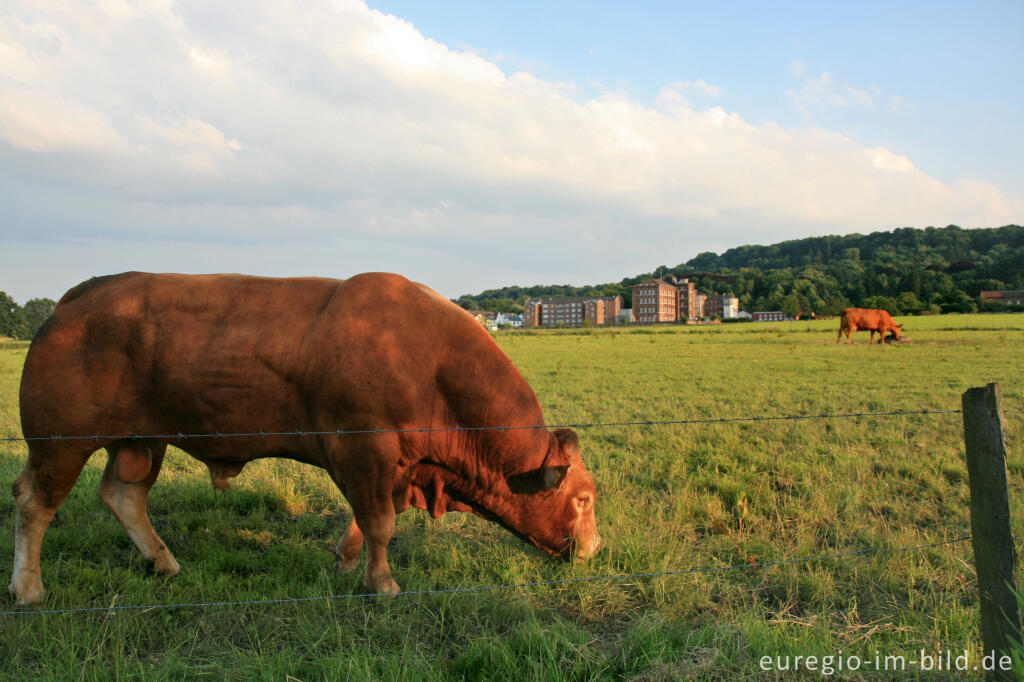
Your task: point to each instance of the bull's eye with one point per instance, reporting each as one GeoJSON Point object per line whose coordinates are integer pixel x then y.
{"type": "Point", "coordinates": [583, 502]}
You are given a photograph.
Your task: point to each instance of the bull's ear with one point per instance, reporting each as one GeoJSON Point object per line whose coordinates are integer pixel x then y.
{"type": "Point", "coordinates": [550, 474]}
{"type": "Point", "coordinates": [551, 477]}
{"type": "Point", "coordinates": [567, 440]}
{"type": "Point", "coordinates": [538, 480]}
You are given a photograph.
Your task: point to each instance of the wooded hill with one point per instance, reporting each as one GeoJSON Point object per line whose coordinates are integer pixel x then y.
{"type": "Point", "coordinates": [905, 271]}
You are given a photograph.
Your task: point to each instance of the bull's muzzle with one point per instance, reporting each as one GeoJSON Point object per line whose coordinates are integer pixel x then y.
{"type": "Point", "coordinates": [586, 547]}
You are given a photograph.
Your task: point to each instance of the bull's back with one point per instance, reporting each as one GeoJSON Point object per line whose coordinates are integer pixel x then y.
{"type": "Point", "coordinates": [143, 352]}
{"type": "Point", "coordinates": [862, 318]}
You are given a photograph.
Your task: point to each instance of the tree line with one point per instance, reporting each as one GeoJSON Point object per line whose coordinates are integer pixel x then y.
{"type": "Point", "coordinates": [18, 322]}
{"type": "Point", "coordinates": [907, 271]}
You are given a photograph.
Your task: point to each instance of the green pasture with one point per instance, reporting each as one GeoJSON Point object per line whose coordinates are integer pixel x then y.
{"type": "Point", "coordinates": [670, 497]}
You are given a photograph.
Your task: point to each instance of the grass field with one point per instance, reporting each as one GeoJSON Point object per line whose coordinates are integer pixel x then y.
{"type": "Point", "coordinates": [669, 497]}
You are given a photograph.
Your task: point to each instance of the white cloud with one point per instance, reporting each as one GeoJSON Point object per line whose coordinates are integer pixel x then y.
{"type": "Point", "coordinates": [822, 93]}
{"type": "Point", "coordinates": [330, 123]}
{"type": "Point", "coordinates": [701, 87]}
{"type": "Point", "coordinates": [44, 122]}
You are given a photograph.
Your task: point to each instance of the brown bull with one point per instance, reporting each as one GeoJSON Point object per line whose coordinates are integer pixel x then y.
{"type": "Point", "coordinates": [867, 319]}
{"type": "Point", "coordinates": [411, 373]}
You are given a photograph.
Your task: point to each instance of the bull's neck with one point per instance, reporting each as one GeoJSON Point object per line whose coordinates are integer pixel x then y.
{"type": "Point", "coordinates": [499, 418]}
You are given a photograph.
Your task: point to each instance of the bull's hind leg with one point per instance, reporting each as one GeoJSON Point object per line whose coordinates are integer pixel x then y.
{"type": "Point", "coordinates": [125, 494]}
{"type": "Point", "coordinates": [50, 472]}
{"type": "Point", "coordinates": [348, 549]}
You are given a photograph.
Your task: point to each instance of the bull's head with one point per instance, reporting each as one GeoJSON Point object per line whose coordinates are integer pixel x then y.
{"type": "Point", "coordinates": [552, 507]}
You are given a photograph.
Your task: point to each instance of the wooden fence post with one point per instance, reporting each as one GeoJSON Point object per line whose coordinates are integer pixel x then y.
{"type": "Point", "coordinates": [994, 555]}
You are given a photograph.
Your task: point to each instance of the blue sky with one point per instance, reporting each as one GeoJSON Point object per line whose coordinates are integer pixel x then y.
{"type": "Point", "coordinates": [944, 76]}
{"type": "Point", "coordinates": [476, 145]}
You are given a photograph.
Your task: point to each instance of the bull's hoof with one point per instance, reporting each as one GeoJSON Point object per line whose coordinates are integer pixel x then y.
{"type": "Point", "coordinates": [166, 565]}
{"type": "Point", "coordinates": [384, 586]}
{"type": "Point", "coordinates": [27, 595]}
{"type": "Point", "coordinates": [346, 565]}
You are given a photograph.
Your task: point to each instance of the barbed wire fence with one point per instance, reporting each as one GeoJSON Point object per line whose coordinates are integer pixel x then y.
{"type": "Point", "coordinates": [180, 436]}
{"type": "Point", "coordinates": [750, 565]}
{"type": "Point", "coordinates": [491, 588]}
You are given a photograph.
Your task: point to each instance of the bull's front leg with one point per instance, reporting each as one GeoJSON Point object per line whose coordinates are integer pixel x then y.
{"type": "Point", "coordinates": [348, 549]}
{"type": "Point", "coordinates": [365, 472]}
{"type": "Point", "coordinates": [378, 529]}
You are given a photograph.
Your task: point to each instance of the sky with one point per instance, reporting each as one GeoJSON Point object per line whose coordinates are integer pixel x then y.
{"type": "Point", "coordinates": [473, 145]}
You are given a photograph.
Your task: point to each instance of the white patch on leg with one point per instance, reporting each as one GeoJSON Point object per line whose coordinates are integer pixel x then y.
{"type": "Point", "coordinates": [30, 523]}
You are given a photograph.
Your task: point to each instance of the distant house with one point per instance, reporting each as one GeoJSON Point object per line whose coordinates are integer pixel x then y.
{"type": "Point", "coordinates": [484, 318]}
{"type": "Point", "coordinates": [508, 320]}
{"type": "Point", "coordinates": [769, 316]}
{"type": "Point", "coordinates": [1004, 297]}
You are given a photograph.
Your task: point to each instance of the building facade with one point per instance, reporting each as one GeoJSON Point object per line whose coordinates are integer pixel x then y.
{"type": "Point", "coordinates": [689, 300]}
{"type": "Point", "coordinates": [724, 306]}
{"type": "Point", "coordinates": [531, 314]}
{"type": "Point", "coordinates": [1004, 297]}
{"type": "Point", "coordinates": [768, 316]}
{"type": "Point", "coordinates": [655, 300]}
{"type": "Point", "coordinates": [612, 308]}
{"type": "Point", "coordinates": [571, 312]}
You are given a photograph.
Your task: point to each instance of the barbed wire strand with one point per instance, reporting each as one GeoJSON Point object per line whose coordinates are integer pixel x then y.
{"type": "Point", "coordinates": [354, 432]}
{"type": "Point", "coordinates": [489, 588]}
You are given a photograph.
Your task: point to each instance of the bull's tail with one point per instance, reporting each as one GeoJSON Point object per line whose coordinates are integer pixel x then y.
{"type": "Point", "coordinates": [843, 327]}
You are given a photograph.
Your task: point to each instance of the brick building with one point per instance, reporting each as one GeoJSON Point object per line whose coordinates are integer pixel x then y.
{"type": "Point", "coordinates": [1004, 297]}
{"type": "Point", "coordinates": [531, 314]}
{"type": "Point", "coordinates": [612, 308]}
{"type": "Point", "coordinates": [769, 316]}
{"type": "Point", "coordinates": [655, 300]}
{"type": "Point", "coordinates": [721, 305]}
{"type": "Point", "coordinates": [571, 312]}
{"type": "Point", "coordinates": [689, 300]}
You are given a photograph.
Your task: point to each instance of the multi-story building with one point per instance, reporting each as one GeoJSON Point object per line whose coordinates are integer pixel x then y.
{"type": "Point", "coordinates": [571, 312]}
{"type": "Point", "coordinates": [689, 300]}
{"type": "Point", "coordinates": [531, 313]}
{"type": "Point", "coordinates": [612, 308]}
{"type": "Point", "coordinates": [655, 300]}
{"type": "Point", "coordinates": [730, 308]}
{"type": "Point", "coordinates": [724, 306]}
{"type": "Point", "coordinates": [567, 312]}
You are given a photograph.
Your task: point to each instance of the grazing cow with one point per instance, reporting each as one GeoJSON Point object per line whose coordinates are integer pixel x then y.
{"type": "Point", "coordinates": [870, 319]}
{"type": "Point", "coordinates": [413, 377]}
